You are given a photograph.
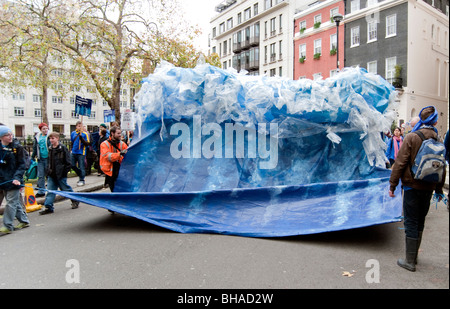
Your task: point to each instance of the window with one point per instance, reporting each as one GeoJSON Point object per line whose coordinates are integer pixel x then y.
{"type": "Point", "coordinates": [57, 99]}
{"type": "Point", "coordinates": [391, 25]}
{"type": "Point", "coordinates": [273, 72]}
{"type": "Point", "coordinates": [371, 3]}
{"type": "Point", "coordinates": [354, 6]}
{"type": "Point", "coordinates": [280, 50]}
{"type": "Point", "coordinates": [230, 23]}
{"type": "Point", "coordinates": [57, 113]}
{"type": "Point", "coordinates": [239, 17]}
{"type": "Point", "coordinates": [318, 46]}
{"type": "Point", "coordinates": [214, 32]}
{"type": "Point", "coordinates": [354, 34]}
{"type": "Point", "coordinates": [371, 31]}
{"type": "Point", "coordinates": [280, 71]}
{"type": "Point", "coordinates": [73, 114]}
{"type": "Point", "coordinates": [37, 98]}
{"type": "Point", "coordinates": [247, 14]}
{"type": "Point", "coordinates": [318, 18]}
{"type": "Point", "coordinates": [302, 25]}
{"type": "Point", "coordinates": [281, 22]}
{"type": "Point", "coordinates": [333, 41]}
{"type": "Point", "coordinates": [222, 28]}
{"type": "Point", "coordinates": [272, 52]}
{"type": "Point", "coordinates": [390, 68]}
{"type": "Point", "coordinates": [372, 67]}
{"type": "Point", "coordinates": [302, 51]}
{"type": "Point", "coordinates": [333, 12]}
{"type": "Point", "coordinates": [19, 111]}
{"type": "Point", "coordinates": [18, 96]}
{"type": "Point", "coordinates": [272, 26]}
{"type": "Point", "coordinates": [255, 9]}
{"type": "Point", "coordinates": [37, 112]}
{"type": "Point", "coordinates": [92, 115]}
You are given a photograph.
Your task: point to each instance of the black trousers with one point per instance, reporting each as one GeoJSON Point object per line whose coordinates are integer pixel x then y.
{"type": "Point", "coordinates": [416, 204]}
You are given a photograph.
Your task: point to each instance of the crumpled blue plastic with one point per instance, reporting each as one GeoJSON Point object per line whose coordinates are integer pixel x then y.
{"type": "Point", "coordinates": [329, 173]}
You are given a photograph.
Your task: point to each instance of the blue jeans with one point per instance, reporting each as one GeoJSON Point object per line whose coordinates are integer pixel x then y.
{"type": "Point", "coordinates": [42, 168]}
{"type": "Point", "coordinates": [81, 168]}
{"type": "Point", "coordinates": [53, 184]}
{"type": "Point", "coordinates": [14, 209]}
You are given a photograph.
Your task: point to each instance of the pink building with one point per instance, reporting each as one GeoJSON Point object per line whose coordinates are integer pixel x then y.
{"type": "Point", "coordinates": [315, 40]}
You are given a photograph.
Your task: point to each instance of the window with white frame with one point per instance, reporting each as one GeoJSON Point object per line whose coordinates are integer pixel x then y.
{"type": "Point", "coordinates": [302, 24]}
{"type": "Point", "coordinates": [57, 113]}
{"type": "Point", "coordinates": [19, 111]}
{"type": "Point", "coordinates": [390, 68]}
{"type": "Point", "coordinates": [334, 11]}
{"type": "Point", "coordinates": [371, 3]}
{"type": "Point", "coordinates": [73, 114]}
{"type": "Point", "coordinates": [247, 14]}
{"type": "Point", "coordinates": [230, 23]}
{"type": "Point", "coordinates": [318, 46]}
{"type": "Point", "coordinates": [57, 99]}
{"type": "Point", "coordinates": [391, 25]}
{"type": "Point", "coordinates": [302, 51]}
{"type": "Point", "coordinates": [372, 67]}
{"type": "Point", "coordinates": [318, 18]}
{"type": "Point", "coordinates": [354, 6]}
{"type": "Point", "coordinates": [37, 112]}
{"type": "Point", "coordinates": [37, 98]}
{"type": "Point", "coordinates": [354, 34]}
{"type": "Point", "coordinates": [372, 31]}
{"type": "Point", "coordinates": [92, 115]}
{"type": "Point", "coordinates": [333, 41]}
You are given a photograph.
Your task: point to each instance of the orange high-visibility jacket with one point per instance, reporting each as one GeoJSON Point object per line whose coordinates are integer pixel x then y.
{"type": "Point", "coordinates": [109, 154]}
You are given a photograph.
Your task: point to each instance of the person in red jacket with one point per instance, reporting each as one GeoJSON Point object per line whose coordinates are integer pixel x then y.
{"type": "Point", "coordinates": [111, 156]}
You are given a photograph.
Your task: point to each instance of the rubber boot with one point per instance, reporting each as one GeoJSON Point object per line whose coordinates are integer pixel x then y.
{"type": "Point", "coordinates": [411, 254]}
{"type": "Point", "coordinates": [419, 241]}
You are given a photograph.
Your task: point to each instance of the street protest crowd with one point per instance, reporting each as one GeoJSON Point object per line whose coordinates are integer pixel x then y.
{"type": "Point", "coordinates": [107, 150]}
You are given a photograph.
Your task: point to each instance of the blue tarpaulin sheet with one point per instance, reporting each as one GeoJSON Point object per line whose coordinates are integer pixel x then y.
{"type": "Point", "coordinates": [215, 151]}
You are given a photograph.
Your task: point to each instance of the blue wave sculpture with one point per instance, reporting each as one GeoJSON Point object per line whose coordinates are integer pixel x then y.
{"type": "Point", "coordinates": [220, 152]}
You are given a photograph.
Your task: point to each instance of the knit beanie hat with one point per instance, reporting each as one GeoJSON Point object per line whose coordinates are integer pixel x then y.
{"type": "Point", "coordinates": [42, 125]}
{"type": "Point", "coordinates": [4, 130]}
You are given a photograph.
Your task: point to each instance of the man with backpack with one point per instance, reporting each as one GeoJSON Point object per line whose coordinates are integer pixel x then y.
{"type": "Point", "coordinates": [13, 165]}
{"type": "Point", "coordinates": [419, 180]}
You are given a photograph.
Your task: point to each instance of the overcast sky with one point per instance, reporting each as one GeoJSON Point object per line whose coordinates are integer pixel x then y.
{"type": "Point", "coordinates": [200, 12]}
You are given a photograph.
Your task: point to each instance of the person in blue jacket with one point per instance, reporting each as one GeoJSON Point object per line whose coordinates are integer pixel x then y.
{"type": "Point", "coordinates": [80, 142]}
{"type": "Point", "coordinates": [394, 144]}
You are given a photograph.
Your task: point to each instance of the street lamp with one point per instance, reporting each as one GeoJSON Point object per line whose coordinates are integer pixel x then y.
{"type": "Point", "coordinates": [337, 19]}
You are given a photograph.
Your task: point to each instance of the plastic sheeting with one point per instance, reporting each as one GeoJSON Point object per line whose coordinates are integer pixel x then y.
{"type": "Point", "coordinates": [219, 152]}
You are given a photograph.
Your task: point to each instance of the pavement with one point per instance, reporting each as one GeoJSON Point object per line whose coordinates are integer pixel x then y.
{"type": "Point", "coordinates": [92, 183]}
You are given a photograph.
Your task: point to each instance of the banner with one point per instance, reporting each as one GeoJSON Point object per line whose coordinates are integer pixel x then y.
{"type": "Point", "coordinates": [109, 115]}
{"type": "Point", "coordinates": [83, 106]}
{"type": "Point", "coordinates": [127, 122]}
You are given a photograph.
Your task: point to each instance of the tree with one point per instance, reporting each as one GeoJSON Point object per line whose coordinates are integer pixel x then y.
{"type": "Point", "coordinates": [27, 56]}
{"type": "Point", "coordinates": [109, 37]}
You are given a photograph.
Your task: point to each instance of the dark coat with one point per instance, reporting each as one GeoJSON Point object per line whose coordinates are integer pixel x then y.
{"type": "Point", "coordinates": [405, 159]}
{"type": "Point", "coordinates": [58, 162]}
{"type": "Point", "coordinates": [15, 165]}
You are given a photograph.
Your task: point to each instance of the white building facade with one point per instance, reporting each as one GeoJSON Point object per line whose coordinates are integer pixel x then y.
{"type": "Point", "coordinates": [255, 35]}
{"type": "Point", "coordinates": [21, 111]}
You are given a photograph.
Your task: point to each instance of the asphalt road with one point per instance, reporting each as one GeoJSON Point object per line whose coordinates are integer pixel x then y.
{"type": "Point", "coordinates": [88, 248]}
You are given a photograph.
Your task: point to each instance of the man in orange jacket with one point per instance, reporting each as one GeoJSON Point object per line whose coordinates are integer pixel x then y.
{"type": "Point", "coordinates": [111, 155]}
